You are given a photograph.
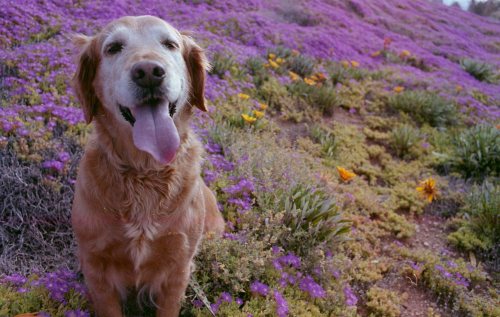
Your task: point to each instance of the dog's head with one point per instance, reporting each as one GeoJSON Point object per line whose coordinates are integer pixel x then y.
{"type": "Point", "coordinates": [144, 73]}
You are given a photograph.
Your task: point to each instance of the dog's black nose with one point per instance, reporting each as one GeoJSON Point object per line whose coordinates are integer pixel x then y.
{"type": "Point", "coordinates": [147, 74]}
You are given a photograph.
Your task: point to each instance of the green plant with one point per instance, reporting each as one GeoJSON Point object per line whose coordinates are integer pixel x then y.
{"type": "Point", "coordinates": [312, 218]}
{"type": "Point", "coordinates": [221, 63]}
{"type": "Point", "coordinates": [341, 74]}
{"type": "Point", "coordinates": [255, 66]}
{"type": "Point", "coordinates": [403, 138]}
{"type": "Point", "coordinates": [481, 228]}
{"type": "Point", "coordinates": [383, 303]}
{"type": "Point", "coordinates": [327, 140]}
{"type": "Point", "coordinates": [425, 107]}
{"type": "Point", "coordinates": [479, 70]}
{"type": "Point", "coordinates": [476, 152]}
{"type": "Point", "coordinates": [325, 98]}
{"type": "Point", "coordinates": [280, 51]}
{"type": "Point", "coordinates": [301, 65]}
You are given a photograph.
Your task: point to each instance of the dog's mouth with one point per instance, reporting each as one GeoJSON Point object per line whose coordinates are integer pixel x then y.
{"type": "Point", "coordinates": [153, 129]}
{"type": "Point", "coordinates": [129, 117]}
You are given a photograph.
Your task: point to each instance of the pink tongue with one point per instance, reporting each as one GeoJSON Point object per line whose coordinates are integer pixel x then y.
{"type": "Point", "coordinates": [154, 132]}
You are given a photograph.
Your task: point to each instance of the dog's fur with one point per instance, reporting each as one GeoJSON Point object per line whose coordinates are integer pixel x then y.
{"type": "Point", "coordinates": [138, 221]}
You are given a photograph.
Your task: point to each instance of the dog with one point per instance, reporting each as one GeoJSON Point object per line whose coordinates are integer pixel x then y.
{"type": "Point", "coordinates": [140, 207]}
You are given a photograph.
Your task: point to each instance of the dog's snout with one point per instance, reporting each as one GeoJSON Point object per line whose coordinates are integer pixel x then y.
{"type": "Point", "coordinates": [148, 74]}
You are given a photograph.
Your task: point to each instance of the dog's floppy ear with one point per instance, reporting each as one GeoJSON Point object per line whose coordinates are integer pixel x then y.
{"type": "Point", "coordinates": [88, 60]}
{"type": "Point", "coordinates": [197, 65]}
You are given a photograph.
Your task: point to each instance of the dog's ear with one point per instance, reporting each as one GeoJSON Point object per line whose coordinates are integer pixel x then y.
{"type": "Point", "coordinates": [197, 65]}
{"type": "Point", "coordinates": [88, 61]}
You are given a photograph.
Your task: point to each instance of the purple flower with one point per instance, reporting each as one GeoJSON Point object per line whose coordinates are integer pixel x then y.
{"type": "Point", "coordinates": [259, 288]}
{"type": "Point", "coordinates": [226, 297]}
{"type": "Point", "coordinates": [53, 165]}
{"type": "Point", "coordinates": [63, 157]}
{"type": "Point", "coordinates": [281, 304]}
{"type": "Point", "coordinates": [239, 301]}
{"type": "Point", "coordinates": [350, 297]}
{"type": "Point", "coordinates": [14, 279]}
{"type": "Point", "coordinates": [197, 303]}
{"type": "Point", "coordinates": [76, 313]}
{"type": "Point", "coordinates": [307, 284]}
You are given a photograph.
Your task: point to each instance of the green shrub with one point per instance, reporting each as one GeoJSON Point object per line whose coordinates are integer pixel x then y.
{"type": "Point", "coordinates": [327, 140]}
{"type": "Point", "coordinates": [312, 218]}
{"type": "Point", "coordinates": [479, 70]}
{"type": "Point", "coordinates": [221, 63]}
{"type": "Point", "coordinates": [325, 98]}
{"type": "Point", "coordinates": [301, 65]}
{"type": "Point", "coordinates": [403, 138]}
{"type": "Point", "coordinates": [425, 107]}
{"type": "Point", "coordinates": [341, 74]}
{"type": "Point", "coordinates": [476, 152]}
{"type": "Point", "coordinates": [255, 66]}
{"type": "Point", "coordinates": [383, 303]}
{"type": "Point", "coordinates": [280, 51]}
{"type": "Point", "coordinates": [481, 228]}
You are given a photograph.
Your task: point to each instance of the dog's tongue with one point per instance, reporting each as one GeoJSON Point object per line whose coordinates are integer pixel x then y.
{"type": "Point", "coordinates": [154, 132]}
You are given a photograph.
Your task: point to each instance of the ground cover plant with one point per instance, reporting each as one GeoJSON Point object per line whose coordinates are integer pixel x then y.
{"type": "Point", "coordinates": [353, 146]}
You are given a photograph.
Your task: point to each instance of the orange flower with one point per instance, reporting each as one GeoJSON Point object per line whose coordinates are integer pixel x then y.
{"type": "Point", "coordinates": [458, 88]}
{"type": "Point", "coordinates": [404, 53]}
{"type": "Point", "coordinates": [398, 89]}
{"type": "Point", "coordinates": [295, 53]}
{"type": "Point", "coordinates": [355, 64]}
{"type": "Point", "coordinates": [345, 64]}
{"type": "Point", "coordinates": [375, 54]}
{"type": "Point", "coordinates": [248, 119]}
{"type": "Point", "coordinates": [243, 96]}
{"type": "Point", "coordinates": [320, 77]}
{"type": "Point", "coordinates": [310, 81]}
{"type": "Point", "coordinates": [428, 189]}
{"type": "Point", "coordinates": [263, 106]}
{"type": "Point", "coordinates": [273, 64]}
{"type": "Point", "coordinates": [293, 76]}
{"type": "Point", "coordinates": [258, 114]}
{"type": "Point", "coordinates": [344, 174]}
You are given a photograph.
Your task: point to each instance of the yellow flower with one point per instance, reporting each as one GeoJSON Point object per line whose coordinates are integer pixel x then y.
{"type": "Point", "coordinates": [345, 64]}
{"type": "Point", "coordinates": [243, 96]}
{"type": "Point", "coordinates": [428, 189]}
{"type": "Point", "coordinates": [344, 174]}
{"type": "Point", "coordinates": [248, 118]}
{"type": "Point", "coordinates": [404, 53]}
{"type": "Point", "coordinates": [399, 88]}
{"type": "Point", "coordinates": [279, 60]}
{"type": "Point", "coordinates": [354, 64]}
{"type": "Point", "coordinates": [293, 76]}
{"type": "Point", "coordinates": [262, 106]}
{"type": "Point", "coordinates": [273, 64]}
{"type": "Point", "coordinates": [258, 114]}
{"type": "Point", "coordinates": [272, 56]}
{"type": "Point", "coordinates": [375, 54]}
{"type": "Point", "coordinates": [320, 77]}
{"type": "Point", "coordinates": [310, 81]}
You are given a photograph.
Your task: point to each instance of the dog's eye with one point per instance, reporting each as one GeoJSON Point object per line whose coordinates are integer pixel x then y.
{"type": "Point", "coordinates": [114, 48]}
{"type": "Point", "coordinates": [169, 44]}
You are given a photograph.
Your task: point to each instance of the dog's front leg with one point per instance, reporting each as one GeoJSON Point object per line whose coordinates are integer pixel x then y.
{"type": "Point", "coordinates": [172, 292]}
{"type": "Point", "coordinates": [105, 297]}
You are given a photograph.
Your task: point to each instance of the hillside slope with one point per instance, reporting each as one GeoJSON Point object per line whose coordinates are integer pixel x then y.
{"type": "Point", "coordinates": [353, 145]}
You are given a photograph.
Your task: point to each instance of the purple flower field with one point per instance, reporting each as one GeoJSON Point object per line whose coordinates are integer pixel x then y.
{"type": "Point", "coordinates": [392, 93]}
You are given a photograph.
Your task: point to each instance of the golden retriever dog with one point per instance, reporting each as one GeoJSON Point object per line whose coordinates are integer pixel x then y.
{"type": "Point", "coordinates": [140, 207]}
